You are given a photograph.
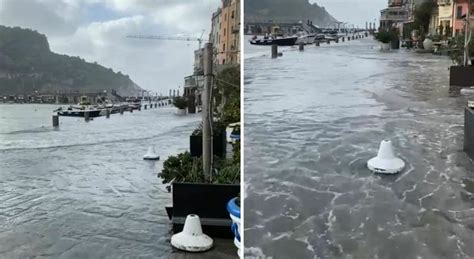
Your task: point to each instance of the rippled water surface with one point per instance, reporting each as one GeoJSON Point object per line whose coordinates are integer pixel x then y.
{"type": "Point", "coordinates": [313, 119]}
{"type": "Point", "coordinates": [83, 190]}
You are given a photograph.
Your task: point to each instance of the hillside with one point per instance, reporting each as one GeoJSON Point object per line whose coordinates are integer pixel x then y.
{"type": "Point", "coordinates": [27, 65]}
{"type": "Point", "coordinates": [287, 10]}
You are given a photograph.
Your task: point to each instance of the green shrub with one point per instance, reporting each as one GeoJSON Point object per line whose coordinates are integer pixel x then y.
{"type": "Point", "coordinates": [185, 168]}
{"type": "Point", "coordinates": [236, 152]}
{"type": "Point", "coordinates": [180, 102]}
{"type": "Point", "coordinates": [456, 47]}
{"type": "Point", "coordinates": [384, 36]}
{"type": "Point", "coordinates": [182, 168]}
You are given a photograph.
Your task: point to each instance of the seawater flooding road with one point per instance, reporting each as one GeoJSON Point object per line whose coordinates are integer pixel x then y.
{"type": "Point", "coordinates": [83, 191]}
{"type": "Point", "coordinates": [313, 119]}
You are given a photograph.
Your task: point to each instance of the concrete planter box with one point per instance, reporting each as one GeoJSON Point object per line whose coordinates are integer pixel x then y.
{"type": "Point", "coordinates": [208, 201]}
{"type": "Point", "coordinates": [385, 47]}
{"type": "Point", "coordinates": [460, 77]}
{"type": "Point", "coordinates": [181, 112]}
{"type": "Point", "coordinates": [219, 143]}
{"type": "Point", "coordinates": [395, 44]}
{"type": "Point", "coordinates": [469, 132]}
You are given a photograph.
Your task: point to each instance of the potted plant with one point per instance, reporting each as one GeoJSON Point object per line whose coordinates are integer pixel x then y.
{"type": "Point", "coordinates": [219, 140]}
{"type": "Point", "coordinates": [206, 193]}
{"type": "Point", "coordinates": [193, 194]}
{"type": "Point", "coordinates": [394, 38]}
{"type": "Point", "coordinates": [181, 103]}
{"type": "Point", "coordinates": [384, 37]}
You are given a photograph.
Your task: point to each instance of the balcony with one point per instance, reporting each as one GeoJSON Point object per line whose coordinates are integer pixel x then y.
{"type": "Point", "coordinates": [395, 3]}
{"type": "Point", "coordinates": [444, 2]}
{"type": "Point", "coordinates": [190, 82]}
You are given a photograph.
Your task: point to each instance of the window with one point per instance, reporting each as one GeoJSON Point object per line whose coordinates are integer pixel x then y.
{"type": "Point", "coordinates": [223, 47]}
{"type": "Point", "coordinates": [225, 17]}
{"type": "Point", "coordinates": [232, 15]}
{"type": "Point", "coordinates": [224, 32]}
{"type": "Point", "coordinates": [459, 12]}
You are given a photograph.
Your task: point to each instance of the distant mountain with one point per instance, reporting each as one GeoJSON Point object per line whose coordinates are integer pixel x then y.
{"type": "Point", "coordinates": [287, 10]}
{"type": "Point", "coordinates": [27, 65]}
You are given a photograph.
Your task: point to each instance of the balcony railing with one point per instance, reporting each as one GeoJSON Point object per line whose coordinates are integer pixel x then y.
{"type": "Point", "coordinates": [394, 16]}
{"type": "Point", "coordinates": [444, 2]}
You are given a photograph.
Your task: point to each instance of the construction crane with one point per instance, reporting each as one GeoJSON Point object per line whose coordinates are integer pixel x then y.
{"type": "Point", "coordinates": [181, 38]}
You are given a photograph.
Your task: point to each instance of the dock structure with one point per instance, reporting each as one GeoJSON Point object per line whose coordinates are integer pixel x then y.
{"type": "Point", "coordinates": [260, 27]}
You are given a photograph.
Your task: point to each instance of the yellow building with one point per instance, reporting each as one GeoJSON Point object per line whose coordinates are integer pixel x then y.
{"type": "Point", "coordinates": [229, 34]}
{"type": "Point", "coordinates": [445, 16]}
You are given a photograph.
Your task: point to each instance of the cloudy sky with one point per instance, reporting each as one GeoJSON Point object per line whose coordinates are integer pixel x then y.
{"type": "Point", "coordinates": [356, 12]}
{"type": "Point", "coordinates": [96, 31]}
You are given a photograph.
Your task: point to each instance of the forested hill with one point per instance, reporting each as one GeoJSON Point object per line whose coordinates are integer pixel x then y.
{"type": "Point", "coordinates": [287, 10]}
{"type": "Point", "coordinates": [27, 65]}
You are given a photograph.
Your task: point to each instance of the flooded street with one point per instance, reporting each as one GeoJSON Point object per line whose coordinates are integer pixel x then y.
{"type": "Point", "coordinates": [83, 190]}
{"type": "Point", "coordinates": [313, 119]}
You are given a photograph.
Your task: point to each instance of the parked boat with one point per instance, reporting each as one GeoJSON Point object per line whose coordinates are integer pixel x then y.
{"type": "Point", "coordinates": [288, 41]}
{"type": "Point", "coordinates": [306, 39]}
{"type": "Point", "coordinates": [79, 113]}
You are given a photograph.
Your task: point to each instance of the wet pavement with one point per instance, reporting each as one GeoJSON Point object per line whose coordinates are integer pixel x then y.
{"type": "Point", "coordinates": [83, 190]}
{"type": "Point", "coordinates": [313, 119]}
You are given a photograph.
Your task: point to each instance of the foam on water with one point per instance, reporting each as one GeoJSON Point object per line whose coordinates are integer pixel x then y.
{"type": "Point", "coordinates": [84, 190]}
{"type": "Point", "coordinates": [313, 119]}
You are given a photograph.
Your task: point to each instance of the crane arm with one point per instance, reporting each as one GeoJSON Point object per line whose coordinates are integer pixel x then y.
{"type": "Point", "coordinates": [151, 37]}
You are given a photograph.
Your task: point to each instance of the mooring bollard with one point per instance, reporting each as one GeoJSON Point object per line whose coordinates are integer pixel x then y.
{"type": "Point", "coordinates": [337, 40]}
{"type": "Point", "coordinates": [86, 116]}
{"type": "Point", "coordinates": [343, 39]}
{"type": "Point", "coordinates": [139, 107]}
{"type": "Point", "coordinates": [328, 42]}
{"type": "Point", "coordinates": [349, 38]}
{"type": "Point", "coordinates": [317, 43]}
{"type": "Point", "coordinates": [301, 46]}
{"type": "Point", "coordinates": [145, 106]}
{"type": "Point", "coordinates": [121, 111]}
{"type": "Point", "coordinates": [107, 113]}
{"type": "Point", "coordinates": [55, 120]}
{"type": "Point", "coordinates": [353, 37]}
{"type": "Point", "coordinates": [274, 51]}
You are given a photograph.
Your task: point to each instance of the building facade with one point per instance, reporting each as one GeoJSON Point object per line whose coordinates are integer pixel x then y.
{"type": "Point", "coordinates": [445, 17]}
{"type": "Point", "coordinates": [397, 13]}
{"type": "Point", "coordinates": [214, 36]}
{"type": "Point", "coordinates": [460, 10]}
{"type": "Point", "coordinates": [228, 48]}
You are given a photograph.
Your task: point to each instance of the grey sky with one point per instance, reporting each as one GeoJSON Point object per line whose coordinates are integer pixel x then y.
{"type": "Point", "coordinates": [356, 12]}
{"type": "Point", "coordinates": [95, 30]}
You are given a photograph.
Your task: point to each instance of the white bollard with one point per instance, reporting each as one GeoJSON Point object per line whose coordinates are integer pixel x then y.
{"type": "Point", "coordinates": [385, 162]}
{"type": "Point", "coordinates": [191, 239]}
{"type": "Point", "coordinates": [151, 154]}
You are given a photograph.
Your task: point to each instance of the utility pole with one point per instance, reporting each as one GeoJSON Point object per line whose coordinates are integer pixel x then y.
{"type": "Point", "coordinates": [206, 112]}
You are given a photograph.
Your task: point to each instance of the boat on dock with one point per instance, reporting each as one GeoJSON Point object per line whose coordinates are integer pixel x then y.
{"type": "Point", "coordinates": [79, 113]}
{"type": "Point", "coordinates": [268, 41]}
